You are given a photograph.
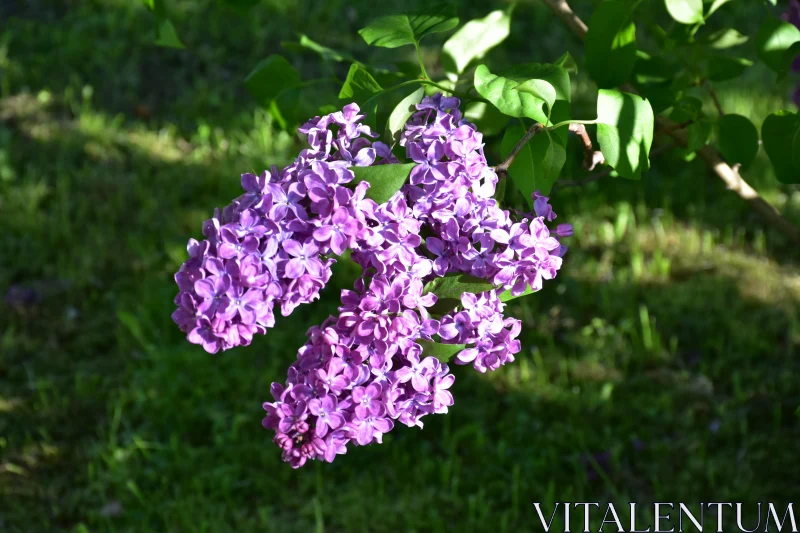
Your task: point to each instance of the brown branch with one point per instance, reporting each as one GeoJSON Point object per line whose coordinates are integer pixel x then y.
{"type": "Point", "coordinates": [714, 98]}
{"type": "Point", "coordinates": [712, 158]}
{"type": "Point", "coordinates": [591, 158]}
{"type": "Point", "coordinates": [502, 168]}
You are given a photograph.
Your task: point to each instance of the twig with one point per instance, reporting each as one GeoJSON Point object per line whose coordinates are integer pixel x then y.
{"type": "Point", "coordinates": [591, 158]}
{"type": "Point", "coordinates": [502, 168]}
{"type": "Point", "coordinates": [712, 158]}
{"type": "Point", "coordinates": [714, 97]}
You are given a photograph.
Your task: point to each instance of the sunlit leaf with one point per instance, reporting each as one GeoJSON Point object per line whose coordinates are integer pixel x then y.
{"type": "Point", "coordinates": [399, 30]}
{"type": "Point", "coordinates": [442, 352]}
{"type": "Point", "coordinates": [401, 113]}
{"type": "Point", "coordinates": [384, 180]}
{"type": "Point", "coordinates": [774, 43]}
{"type": "Point", "coordinates": [474, 40]}
{"type": "Point", "coordinates": [625, 131]}
{"type": "Point", "coordinates": [686, 11]}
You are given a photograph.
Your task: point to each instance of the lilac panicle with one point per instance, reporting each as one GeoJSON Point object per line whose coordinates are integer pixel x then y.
{"type": "Point", "coordinates": [363, 370]}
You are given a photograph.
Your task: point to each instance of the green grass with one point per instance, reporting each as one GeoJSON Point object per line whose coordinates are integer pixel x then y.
{"type": "Point", "coordinates": [661, 365]}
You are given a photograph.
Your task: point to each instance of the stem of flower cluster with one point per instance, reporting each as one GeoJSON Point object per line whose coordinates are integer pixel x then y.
{"type": "Point", "coordinates": [502, 168]}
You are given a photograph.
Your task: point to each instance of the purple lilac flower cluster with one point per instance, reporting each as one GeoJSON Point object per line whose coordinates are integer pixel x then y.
{"type": "Point", "coordinates": [268, 246]}
{"type": "Point", "coordinates": [792, 15]}
{"type": "Point", "coordinates": [366, 368]}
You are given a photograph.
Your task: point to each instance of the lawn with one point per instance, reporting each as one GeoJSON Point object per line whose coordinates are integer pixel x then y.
{"type": "Point", "coordinates": [661, 365]}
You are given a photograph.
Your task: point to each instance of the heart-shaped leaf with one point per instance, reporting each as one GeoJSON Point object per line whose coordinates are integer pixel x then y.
{"type": "Point", "coordinates": [610, 44]}
{"type": "Point", "coordinates": [360, 87]}
{"type": "Point", "coordinates": [625, 131]}
{"type": "Point", "coordinates": [738, 139]}
{"type": "Point", "coordinates": [780, 134]}
{"type": "Point", "coordinates": [541, 89]}
{"type": "Point", "coordinates": [399, 30]}
{"type": "Point", "coordinates": [384, 180]}
{"type": "Point", "coordinates": [537, 165]}
{"type": "Point", "coordinates": [500, 91]}
{"type": "Point", "coordinates": [474, 39]}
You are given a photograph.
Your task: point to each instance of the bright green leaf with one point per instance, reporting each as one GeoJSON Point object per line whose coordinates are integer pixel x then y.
{"type": "Point", "coordinates": [474, 40]}
{"type": "Point", "coordinates": [725, 38]}
{"type": "Point", "coordinates": [780, 134]}
{"type": "Point", "coordinates": [442, 352]}
{"type": "Point", "coordinates": [384, 180]}
{"type": "Point", "coordinates": [567, 62]}
{"type": "Point", "coordinates": [610, 44]}
{"type": "Point", "coordinates": [722, 68]}
{"type": "Point", "coordinates": [540, 89]}
{"type": "Point", "coordinates": [270, 77]}
{"type": "Point", "coordinates": [625, 131]}
{"type": "Point", "coordinates": [399, 30]}
{"type": "Point", "coordinates": [505, 296]}
{"type": "Point", "coordinates": [499, 90]}
{"type": "Point", "coordinates": [738, 139]}
{"type": "Point", "coordinates": [686, 11]}
{"type": "Point", "coordinates": [774, 42]}
{"type": "Point", "coordinates": [454, 285]}
{"type": "Point", "coordinates": [401, 113]}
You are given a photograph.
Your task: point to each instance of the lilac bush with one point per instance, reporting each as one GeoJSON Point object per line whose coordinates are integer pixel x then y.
{"type": "Point", "coordinates": [369, 366]}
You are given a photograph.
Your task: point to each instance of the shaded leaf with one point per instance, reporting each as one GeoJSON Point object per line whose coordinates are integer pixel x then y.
{"type": "Point", "coordinates": [738, 139]}
{"type": "Point", "coordinates": [567, 62]}
{"type": "Point", "coordinates": [167, 36]}
{"type": "Point", "coordinates": [271, 76]}
{"type": "Point", "coordinates": [697, 134]}
{"type": "Point", "coordinates": [722, 68]}
{"type": "Point", "coordinates": [384, 180]}
{"type": "Point", "coordinates": [474, 40]}
{"type": "Point", "coordinates": [610, 44]}
{"type": "Point", "coordinates": [774, 43]}
{"type": "Point", "coordinates": [780, 134]}
{"type": "Point", "coordinates": [399, 30]}
{"type": "Point", "coordinates": [625, 131]}
{"type": "Point", "coordinates": [533, 168]}
{"type": "Point", "coordinates": [360, 87]}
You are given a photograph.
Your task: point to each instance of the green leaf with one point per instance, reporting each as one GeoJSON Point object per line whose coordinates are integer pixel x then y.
{"type": "Point", "coordinates": [401, 113]}
{"type": "Point", "coordinates": [540, 89]}
{"type": "Point", "coordinates": [738, 139]}
{"type": "Point", "coordinates": [537, 165]}
{"type": "Point", "coordinates": [506, 296]}
{"type": "Point", "coordinates": [780, 134]}
{"type": "Point", "coordinates": [725, 38]}
{"type": "Point", "coordinates": [360, 87]}
{"type": "Point", "coordinates": [567, 62]}
{"type": "Point", "coordinates": [271, 76]}
{"type": "Point", "coordinates": [625, 131]}
{"type": "Point", "coordinates": [716, 5]}
{"type": "Point", "coordinates": [487, 118]}
{"type": "Point", "coordinates": [774, 42]}
{"type": "Point", "coordinates": [697, 134]}
{"type": "Point", "coordinates": [688, 108]}
{"type": "Point", "coordinates": [399, 30]}
{"type": "Point", "coordinates": [327, 54]}
{"type": "Point", "coordinates": [454, 285]}
{"type": "Point", "coordinates": [167, 36]}
{"type": "Point", "coordinates": [384, 180]}
{"type": "Point", "coordinates": [610, 44]}
{"type": "Point", "coordinates": [442, 352]}
{"type": "Point", "coordinates": [722, 68]}
{"type": "Point", "coordinates": [474, 40]}
{"type": "Point", "coordinates": [686, 11]}
{"type": "Point", "coordinates": [499, 90]}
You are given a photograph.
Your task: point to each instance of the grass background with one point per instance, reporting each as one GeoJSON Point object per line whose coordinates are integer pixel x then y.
{"type": "Point", "coordinates": [661, 365]}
